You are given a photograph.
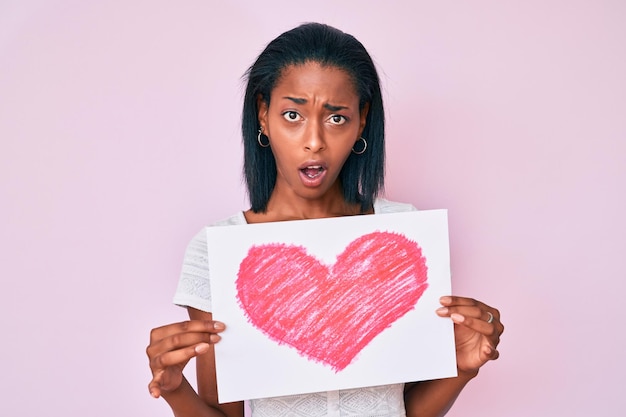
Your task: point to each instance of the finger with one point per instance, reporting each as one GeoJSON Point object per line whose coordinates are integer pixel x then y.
{"type": "Point", "coordinates": [489, 352]}
{"type": "Point", "coordinates": [186, 326]}
{"type": "Point", "coordinates": [467, 311]}
{"type": "Point", "coordinates": [490, 317]}
{"type": "Point", "coordinates": [491, 331]}
{"type": "Point", "coordinates": [154, 387]}
{"type": "Point", "coordinates": [180, 340]}
{"type": "Point", "coordinates": [493, 318]}
{"type": "Point", "coordinates": [450, 300]}
{"type": "Point", "coordinates": [468, 306]}
{"type": "Point", "coordinates": [177, 357]}
{"type": "Point", "coordinates": [495, 354]}
{"type": "Point", "coordinates": [476, 324]}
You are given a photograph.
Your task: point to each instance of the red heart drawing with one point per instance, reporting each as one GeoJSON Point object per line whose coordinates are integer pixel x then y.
{"type": "Point", "coordinates": [330, 313]}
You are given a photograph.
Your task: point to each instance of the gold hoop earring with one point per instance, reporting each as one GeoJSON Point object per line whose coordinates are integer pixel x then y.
{"type": "Point", "coordinates": [258, 139]}
{"type": "Point", "coordinates": [362, 151]}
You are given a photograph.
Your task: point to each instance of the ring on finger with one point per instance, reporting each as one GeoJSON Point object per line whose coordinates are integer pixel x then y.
{"type": "Point", "coordinates": [490, 319]}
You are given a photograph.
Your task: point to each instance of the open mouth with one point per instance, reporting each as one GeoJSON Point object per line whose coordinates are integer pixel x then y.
{"type": "Point", "coordinates": [312, 171]}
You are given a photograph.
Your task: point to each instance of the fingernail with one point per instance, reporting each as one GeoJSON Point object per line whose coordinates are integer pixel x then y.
{"type": "Point", "coordinates": [218, 326]}
{"type": "Point", "coordinates": [457, 318]}
{"type": "Point", "coordinates": [214, 338]}
{"type": "Point", "coordinates": [202, 348]}
{"type": "Point", "coordinates": [445, 299]}
{"type": "Point", "coordinates": [442, 310]}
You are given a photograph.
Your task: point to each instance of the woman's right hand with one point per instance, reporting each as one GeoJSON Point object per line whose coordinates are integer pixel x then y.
{"type": "Point", "coordinates": [172, 346]}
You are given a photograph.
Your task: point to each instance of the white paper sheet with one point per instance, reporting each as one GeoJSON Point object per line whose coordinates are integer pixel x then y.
{"type": "Point", "coordinates": [327, 304]}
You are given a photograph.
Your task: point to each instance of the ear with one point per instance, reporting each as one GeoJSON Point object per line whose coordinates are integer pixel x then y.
{"type": "Point", "coordinates": [261, 104]}
{"type": "Point", "coordinates": [363, 115]}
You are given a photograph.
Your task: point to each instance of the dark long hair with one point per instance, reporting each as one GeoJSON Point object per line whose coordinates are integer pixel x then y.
{"type": "Point", "coordinates": [362, 176]}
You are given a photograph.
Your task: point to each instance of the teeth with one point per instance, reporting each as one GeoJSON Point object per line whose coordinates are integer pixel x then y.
{"type": "Point", "coordinates": [312, 171]}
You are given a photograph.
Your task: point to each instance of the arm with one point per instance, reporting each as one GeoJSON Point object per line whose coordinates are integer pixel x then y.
{"type": "Point", "coordinates": [434, 398]}
{"type": "Point", "coordinates": [477, 330]}
{"type": "Point", "coordinates": [171, 347]}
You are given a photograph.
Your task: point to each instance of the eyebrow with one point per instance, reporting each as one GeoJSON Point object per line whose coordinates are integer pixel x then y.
{"type": "Point", "coordinates": [326, 106]}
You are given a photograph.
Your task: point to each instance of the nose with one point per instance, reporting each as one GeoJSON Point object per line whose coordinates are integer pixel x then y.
{"type": "Point", "coordinates": [314, 138]}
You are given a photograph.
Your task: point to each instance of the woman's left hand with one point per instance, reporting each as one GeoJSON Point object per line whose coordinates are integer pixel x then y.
{"type": "Point", "coordinates": [477, 330]}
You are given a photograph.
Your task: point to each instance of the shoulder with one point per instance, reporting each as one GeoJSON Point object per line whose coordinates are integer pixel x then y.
{"type": "Point", "coordinates": [382, 206]}
{"type": "Point", "coordinates": [235, 219]}
{"type": "Point", "coordinates": [199, 240]}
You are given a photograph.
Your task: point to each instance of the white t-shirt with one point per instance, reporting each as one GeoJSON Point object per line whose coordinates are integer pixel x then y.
{"type": "Point", "coordinates": [194, 290]}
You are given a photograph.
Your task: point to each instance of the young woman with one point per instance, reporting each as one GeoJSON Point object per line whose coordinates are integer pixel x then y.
{"type": "Point", "coordinates": [313, 132]}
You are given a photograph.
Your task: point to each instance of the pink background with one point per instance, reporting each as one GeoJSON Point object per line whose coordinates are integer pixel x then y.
{"type": "Point", "coordinates": [120, 139]}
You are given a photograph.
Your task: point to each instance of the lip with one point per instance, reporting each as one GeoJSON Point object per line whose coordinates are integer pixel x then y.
{"type": "Point", "coordinates": [318, 178]}
{"type": "Point", "coordinates": [313, 163]}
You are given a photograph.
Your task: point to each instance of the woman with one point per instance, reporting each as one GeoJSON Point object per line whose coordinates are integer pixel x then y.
{"type": "Point", "coordinates": [313, 131]}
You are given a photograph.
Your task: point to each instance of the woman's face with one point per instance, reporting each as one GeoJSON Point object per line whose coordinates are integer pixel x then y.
{"type": "Point", "coordinates": [312, 122]}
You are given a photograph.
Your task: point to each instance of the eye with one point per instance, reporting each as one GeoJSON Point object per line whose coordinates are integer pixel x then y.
{"type": "Point", "coordinates": [337, 119]}
{"type": "Point", "coordinates": [291, 116]}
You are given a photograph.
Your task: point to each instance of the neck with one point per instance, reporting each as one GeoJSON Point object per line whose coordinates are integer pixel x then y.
{"type": "Point", "coordinates": [282, 207]}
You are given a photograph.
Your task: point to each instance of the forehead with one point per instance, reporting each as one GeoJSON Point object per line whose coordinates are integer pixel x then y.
{"type": "Point", "coordinates": [312, 77]}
